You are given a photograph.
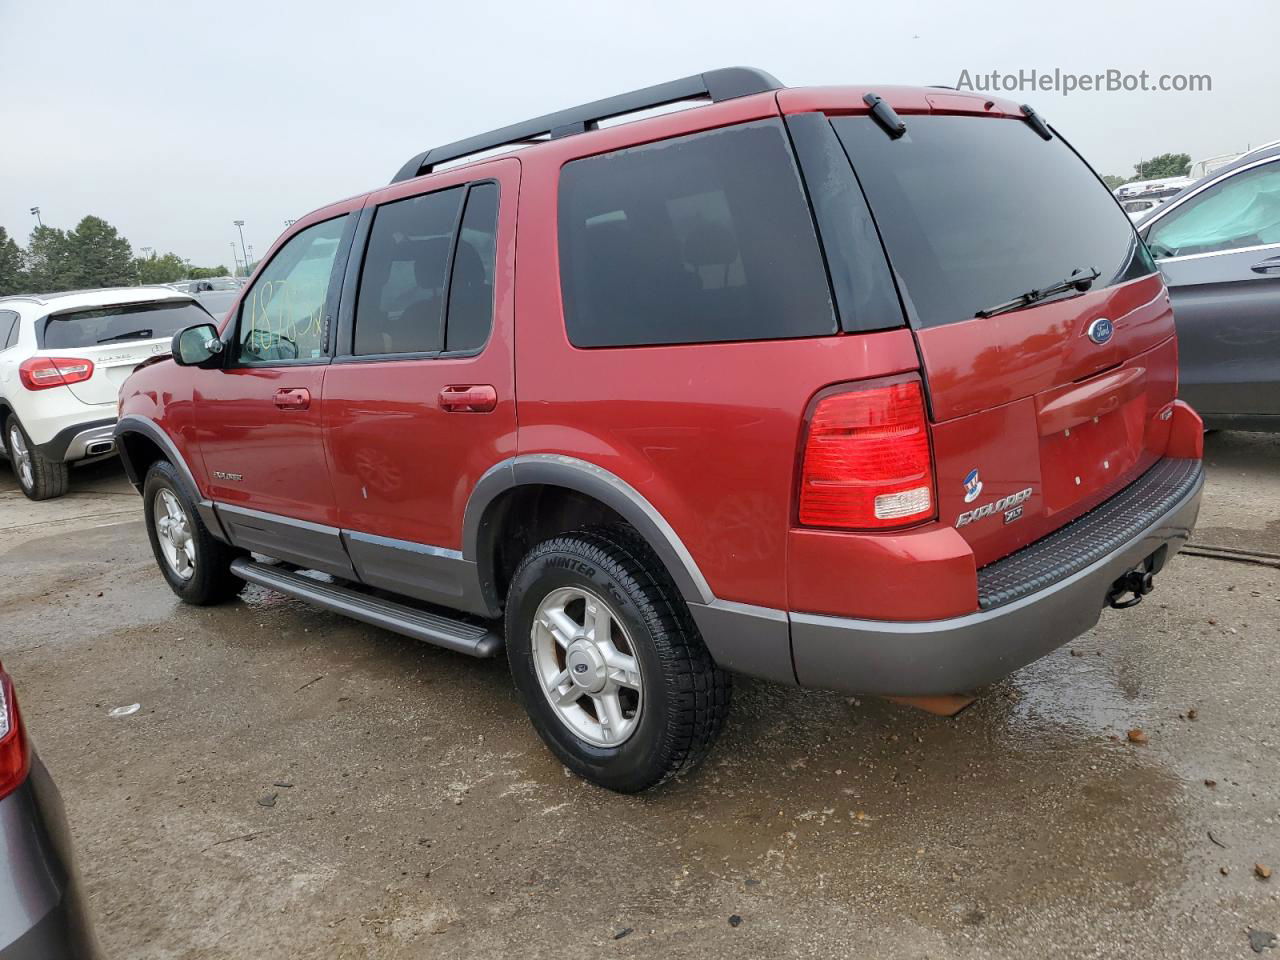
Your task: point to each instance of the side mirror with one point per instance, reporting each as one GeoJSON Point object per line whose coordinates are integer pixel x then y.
{"type": "Point", "coordinates": [196, 346]}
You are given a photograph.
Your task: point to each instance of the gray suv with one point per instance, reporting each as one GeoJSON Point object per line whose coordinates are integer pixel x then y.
{"type": "Point", "coordinates": [1218, 245]}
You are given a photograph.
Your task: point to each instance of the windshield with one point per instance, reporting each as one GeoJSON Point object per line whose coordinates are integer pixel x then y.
{"type": "Point", "coordinates": [119, 324]}
{"type": "Point", "coordinates": [975, 211]}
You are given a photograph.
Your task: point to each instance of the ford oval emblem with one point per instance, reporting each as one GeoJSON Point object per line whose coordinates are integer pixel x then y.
{"type": "Point", "coordinates": [1101, 330]}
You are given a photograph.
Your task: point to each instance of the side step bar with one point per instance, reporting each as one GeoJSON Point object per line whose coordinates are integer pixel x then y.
{"type": "Point", "coordinates": [460, 636]}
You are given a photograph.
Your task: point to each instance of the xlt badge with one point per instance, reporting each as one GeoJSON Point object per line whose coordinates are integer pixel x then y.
{"type": "Point", "coordinates": [1009, 503]}
{"type": "Point", "coordinates": [223, 475]}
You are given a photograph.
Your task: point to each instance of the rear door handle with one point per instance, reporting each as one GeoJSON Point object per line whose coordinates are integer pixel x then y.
{"type": "Point", "coordinates": [1267, 266]}
{"type": "Point", "coordinates": [292, 398]}
{"type": "Point", "coordinates": [468, 398]}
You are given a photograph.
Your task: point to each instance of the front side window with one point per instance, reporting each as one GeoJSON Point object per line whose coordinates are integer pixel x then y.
{"type": "Point", "coordinates": [283, 314]}
{"type": "Point", "coordinates": [1240, 211]}
{"type": "Point", "coordinates": [975, 211]}
{"type": "Point", "coordinates": [696, 239]}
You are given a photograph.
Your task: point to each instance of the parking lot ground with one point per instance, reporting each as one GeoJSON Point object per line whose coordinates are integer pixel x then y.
{"type": "Point", "coordinates": [296, 785]}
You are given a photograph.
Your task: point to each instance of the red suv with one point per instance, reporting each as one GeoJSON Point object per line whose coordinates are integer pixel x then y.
{"type": "Point", "coordinates": [863, 389]}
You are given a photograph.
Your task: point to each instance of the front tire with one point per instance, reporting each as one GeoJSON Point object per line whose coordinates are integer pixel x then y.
{"type": "Point", "coordinates": [195, 564]}
{"type": "Point", "coordinates": [608, 662]}
{"type": "Point", "coordinates": [39, 478]}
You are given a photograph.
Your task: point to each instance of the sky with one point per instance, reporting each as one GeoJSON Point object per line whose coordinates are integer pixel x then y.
{"type": "Point", "coordinates": [173, 119]}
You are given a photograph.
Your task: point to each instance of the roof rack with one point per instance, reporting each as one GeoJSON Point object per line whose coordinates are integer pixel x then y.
{"type": "Point", "coordinates": [716, 85]}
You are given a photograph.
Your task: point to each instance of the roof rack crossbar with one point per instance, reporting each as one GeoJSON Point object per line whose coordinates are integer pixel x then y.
{"type": "Point", "coordinates": [716, 85]}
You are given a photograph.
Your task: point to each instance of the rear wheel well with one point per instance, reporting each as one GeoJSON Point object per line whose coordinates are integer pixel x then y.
{"type": "Point", "coordinates": [139, 452]}
{"type": "Point", "coordinates": [521, 518]}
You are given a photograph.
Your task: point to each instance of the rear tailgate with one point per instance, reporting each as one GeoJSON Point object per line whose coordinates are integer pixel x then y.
{"type": "Point", "coordinates": [115, 338]}
{"type": "Point", "coordinates": [112, 365]}
{"type": "Point", "coordinates": [1035, 420]}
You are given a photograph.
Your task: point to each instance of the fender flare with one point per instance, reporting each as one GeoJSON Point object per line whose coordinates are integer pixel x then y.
{"type": "Point", "coordinates": [599, 484]}
{"type": "Point", "coordinates": [146, 427]}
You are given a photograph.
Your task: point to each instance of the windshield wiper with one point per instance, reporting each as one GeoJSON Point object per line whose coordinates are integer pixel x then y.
{"type": "Point", "coordinates": [131, 335]}
{"type": "Point", "coordinates": [1080, 280]}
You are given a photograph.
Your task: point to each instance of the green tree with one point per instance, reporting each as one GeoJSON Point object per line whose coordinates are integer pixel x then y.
{"type": "Point", "coordinates": [164, 269]}
{"type": "Point", "coordinates": [47, 261]}
{"type": "Point", "coordinates": [12, 276]}
{"type": "Point", "coordinates": [201, 273]}
{"type": "Point", "coordinates": [1164, 165]}
{"type": "Point", "coordinates": [1112, 181]}
{"type": "Point", "coordinates": [98, 256]}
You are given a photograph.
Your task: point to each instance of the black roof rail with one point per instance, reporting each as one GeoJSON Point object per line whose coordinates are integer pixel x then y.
{"type": "Point", "coordinates": [717, 85]}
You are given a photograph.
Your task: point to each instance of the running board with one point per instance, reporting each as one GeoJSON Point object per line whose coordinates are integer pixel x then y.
{"type": "Point", "coordinates": [475, 640]}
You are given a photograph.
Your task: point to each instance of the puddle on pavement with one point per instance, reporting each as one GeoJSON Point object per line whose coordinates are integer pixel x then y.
{"type": "Point", "coordinates": [1088, 694]}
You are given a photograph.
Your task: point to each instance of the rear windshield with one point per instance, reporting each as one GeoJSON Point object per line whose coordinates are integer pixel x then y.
{"type": "Point", "coordinates": [119, 324]}
{"type": "Point", "coordinates": [975, 211]}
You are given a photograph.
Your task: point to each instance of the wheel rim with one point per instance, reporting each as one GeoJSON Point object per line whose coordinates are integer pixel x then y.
{"type": "Point", "coordinates": [173, 532]}
{"type": "Point", "coordinates": [21, 457]}
{"type": "Point", "coordinates": [587, 666]}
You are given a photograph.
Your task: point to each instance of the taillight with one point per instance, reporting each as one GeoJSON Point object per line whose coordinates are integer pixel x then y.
{"type": "Point", "coordinates": [867, 464]}
{"type": "Point", "coordinates": [41, 373]}
{"type": "Point", "coordinates": [14, 756]}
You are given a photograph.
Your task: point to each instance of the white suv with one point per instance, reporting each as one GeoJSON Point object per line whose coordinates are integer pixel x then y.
{"type": "Point", "coordinates": [63, 357]}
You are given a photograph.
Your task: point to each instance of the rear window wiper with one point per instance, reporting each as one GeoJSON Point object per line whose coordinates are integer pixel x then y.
{"type": "Point", "coordinates": [131, 335]}
{"type": "Point", "coordinates": [1080, 280]}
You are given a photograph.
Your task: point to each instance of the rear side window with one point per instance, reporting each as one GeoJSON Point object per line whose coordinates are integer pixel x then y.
{"type": "Point", "coordinates": [975, 211]}
{"type": "Point", "coordinates": [696, 239]}
{"type": "Point", "coordinates": [8, 329]}
{"type": "Point", "coordinates": [400, 308]}
{"type": "Point", "coordinates": [134, 321]}
{"type": "Point", "coordinates": [471, 289]}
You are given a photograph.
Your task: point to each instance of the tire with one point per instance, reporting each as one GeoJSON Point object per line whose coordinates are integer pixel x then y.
{"type": "Point", "coordinates": [38, 477]}
{"type": "Point", "coordinates": [666, 712]}
{"type": "Point", "coordinates": [195, 564]}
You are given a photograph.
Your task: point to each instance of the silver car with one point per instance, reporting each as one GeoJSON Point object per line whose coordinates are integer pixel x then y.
{"type": "Point", "coordinates": [42, 914]}
{"type": "Point", "coordinates": [1218, 244]}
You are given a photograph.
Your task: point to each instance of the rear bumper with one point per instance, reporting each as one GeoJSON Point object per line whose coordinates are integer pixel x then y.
{"type": "Point", "coordinates": [960, 653]}
{"type": "Point", "coordinates": [42, 911]}
{"type": "Point", "coordinates": [80, 440]}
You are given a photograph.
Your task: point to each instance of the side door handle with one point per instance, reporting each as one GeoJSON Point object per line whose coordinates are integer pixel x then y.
{"type": "Point", "coordinates": [468, 398]}
{"type": "Point", "coordinates": [292, 398]}
{"type": "Point", "coordinates": [1271, 266]}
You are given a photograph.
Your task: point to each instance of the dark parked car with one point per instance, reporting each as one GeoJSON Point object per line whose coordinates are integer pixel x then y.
{"type": "Point", "coordinates": [710, 402]}
{"type": "Point", "coordinates": [42, 914]}
{"type": "Point", "coordinates": [1218, 244]}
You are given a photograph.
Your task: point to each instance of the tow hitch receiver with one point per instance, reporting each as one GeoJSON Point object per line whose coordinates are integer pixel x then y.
{"type": "Point", "coordinates": [1139, 581]}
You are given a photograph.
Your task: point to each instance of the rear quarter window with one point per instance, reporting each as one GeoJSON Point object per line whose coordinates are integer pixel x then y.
{"type": "Point", "coordinates": [696, 239]}
{"type": "Point", "coordinates": [975, 211]}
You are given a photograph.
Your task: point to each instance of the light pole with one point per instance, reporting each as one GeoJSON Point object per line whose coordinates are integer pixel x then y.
{"type": "Point", "coordinates": [235, 261]}
{"type": "Point", "coordinates": [240, 226]}
{"type": "Point", "coordinates": [289, 223]}
{"type": "Point", "coordinates": [35, 212]}
{"type": "Point", "coordinates": [146, 252]}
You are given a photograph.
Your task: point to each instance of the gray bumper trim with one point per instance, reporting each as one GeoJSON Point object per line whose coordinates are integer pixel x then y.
{"type": "Point", "coordinates": [950, 656]}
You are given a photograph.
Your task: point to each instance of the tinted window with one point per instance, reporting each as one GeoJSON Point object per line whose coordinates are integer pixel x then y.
{"type": "Point", "coordinates": [8, 329]}
{"type": "Point", "coordinates": [1240, 211]}
{"type": "Point", "coordinates": [400, 308]}
{"type": "Point", "coordinates": [283, 314]}
{"type": "Point", "coordinates": [977, 210]}
{"type": "Point", "coordinates": [137, 321]}
{"type": "Point", "coordinates": [695, 239]}
{"type": "Point", "coordinates": [471, 289]}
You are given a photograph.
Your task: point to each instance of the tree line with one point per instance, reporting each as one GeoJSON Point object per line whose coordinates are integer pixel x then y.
{"type": "Point", "coordinates": [1157, 168]}
{"type": "Point", "coordinates": [91, 255]}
